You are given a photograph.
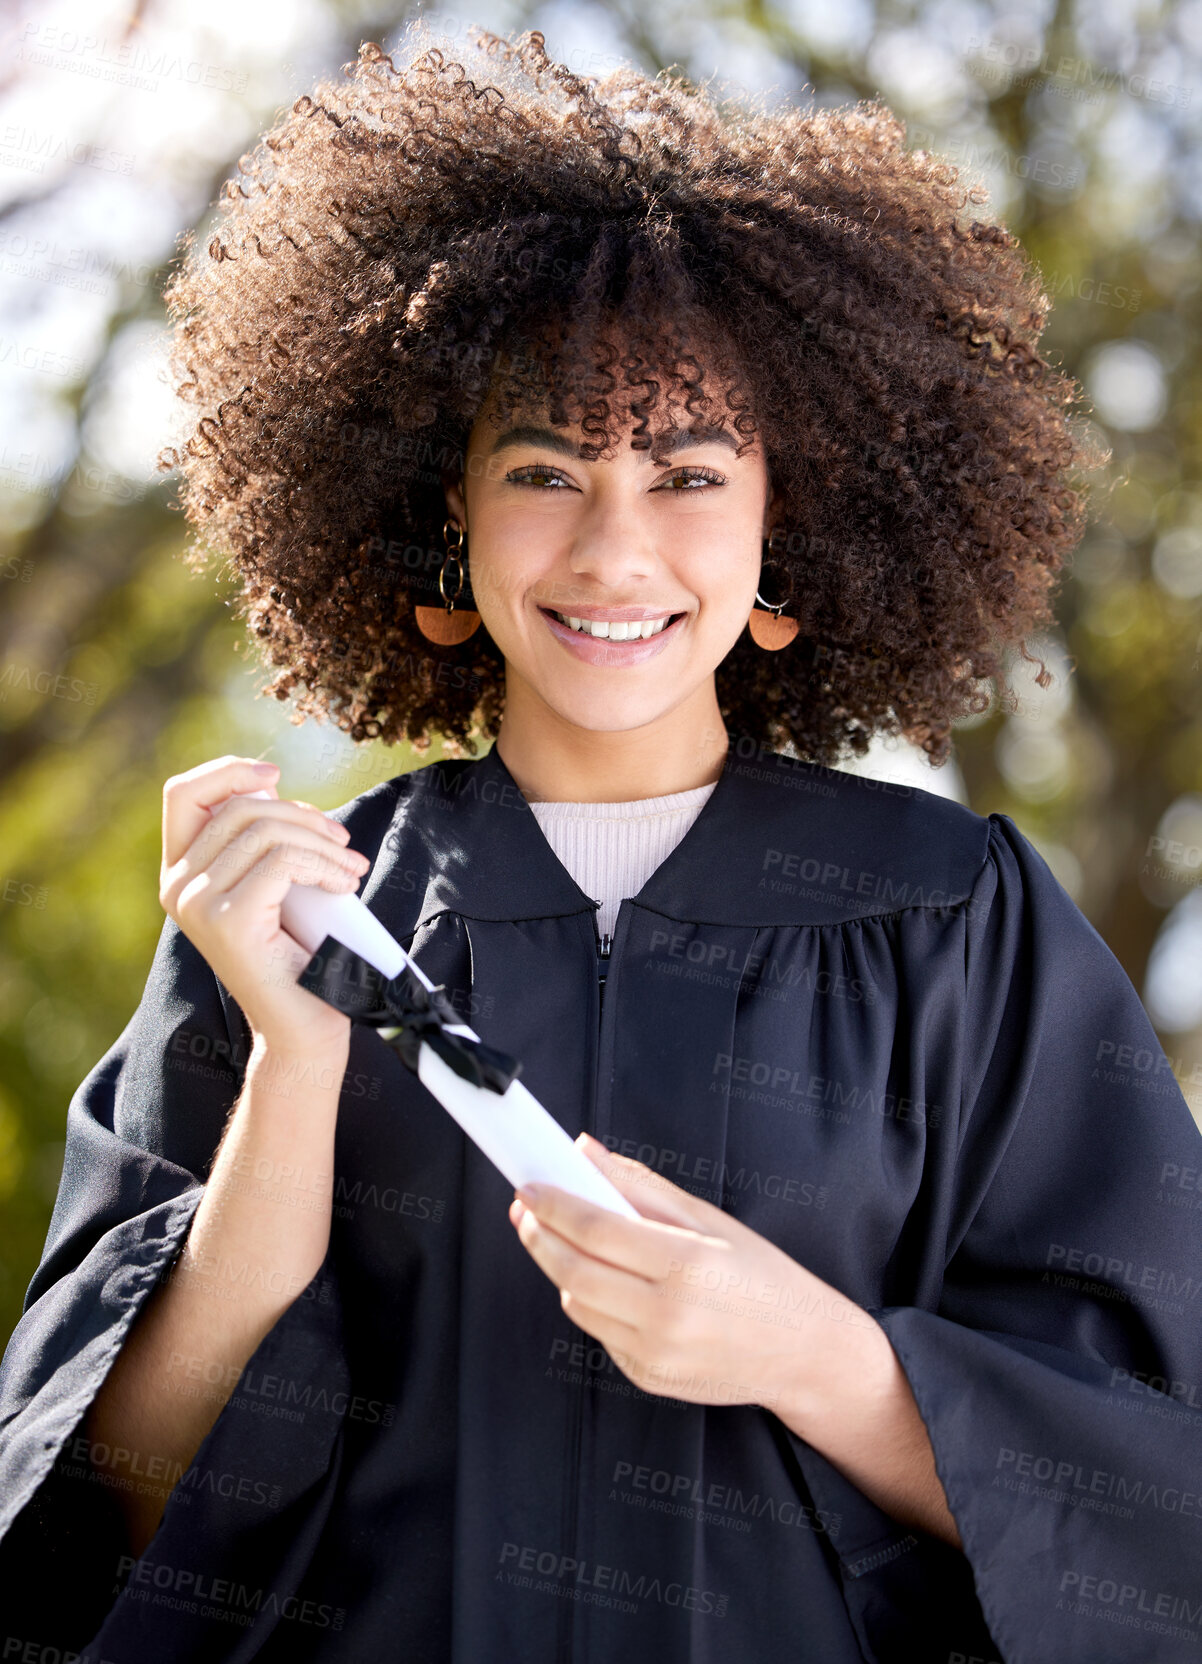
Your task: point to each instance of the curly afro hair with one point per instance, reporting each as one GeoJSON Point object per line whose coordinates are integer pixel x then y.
{"type": "Point", "coordinates": [427, 230]}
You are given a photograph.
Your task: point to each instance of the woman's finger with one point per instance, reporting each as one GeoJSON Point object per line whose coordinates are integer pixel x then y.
{"type": "Point", "coordinates": [229, 849]}
{"type": "Point", "coordinates": [646, 1248]}
{"type": "Point", "coordinates": [189, 797]}
{"type": "Point", "coordinates": [277, 868]}
{"type": "Point", "coordinates": [228, 806]}
{"type": "Point", "coordinates": [654, 1196]}
{"type": "Point", "coordinates": [619, 1294]}
{"type": "Point", "coordinates": [250, 877]}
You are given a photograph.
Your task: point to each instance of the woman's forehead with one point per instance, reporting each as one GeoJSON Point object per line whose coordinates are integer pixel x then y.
{"type": "Point", "coordinates": [668, 429]}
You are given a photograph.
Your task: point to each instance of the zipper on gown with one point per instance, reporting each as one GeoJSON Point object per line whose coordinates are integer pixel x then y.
{"type": "Point", "coordinates": [604, 943]}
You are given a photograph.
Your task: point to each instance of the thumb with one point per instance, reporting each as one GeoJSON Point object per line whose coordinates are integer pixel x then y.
{"type": "Point", "coordinates": [655, 1196]}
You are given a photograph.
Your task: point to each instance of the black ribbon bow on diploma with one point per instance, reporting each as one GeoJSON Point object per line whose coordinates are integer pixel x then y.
{"type": "Point", "coordinates": [404, 1012]}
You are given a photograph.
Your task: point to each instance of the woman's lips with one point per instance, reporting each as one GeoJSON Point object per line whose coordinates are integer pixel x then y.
{"type": "Point", "coordinates": [600, 650]}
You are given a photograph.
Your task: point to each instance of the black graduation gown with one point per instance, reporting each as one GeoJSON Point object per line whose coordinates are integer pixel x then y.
{"type": "Point", "coordinates": [864, 1020]}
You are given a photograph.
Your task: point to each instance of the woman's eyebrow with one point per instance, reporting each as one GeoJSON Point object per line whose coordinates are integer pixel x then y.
{"type": "Point", "coordinates": [672, 439]}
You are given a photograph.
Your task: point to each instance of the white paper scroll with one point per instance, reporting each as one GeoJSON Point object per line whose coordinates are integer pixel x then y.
{"type": "Point", "coordinates": [512, 1128]}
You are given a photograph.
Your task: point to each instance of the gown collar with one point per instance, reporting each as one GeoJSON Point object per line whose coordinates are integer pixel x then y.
{"type": "Point", "coordinates": [778, 841]}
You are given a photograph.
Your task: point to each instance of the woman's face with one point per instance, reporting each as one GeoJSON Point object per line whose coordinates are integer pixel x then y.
{"type": "Point", "coordinates": [665, 540]}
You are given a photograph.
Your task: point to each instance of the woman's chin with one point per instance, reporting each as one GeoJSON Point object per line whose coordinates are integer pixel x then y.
{"type": "Point", "coordinates": [608, 716]}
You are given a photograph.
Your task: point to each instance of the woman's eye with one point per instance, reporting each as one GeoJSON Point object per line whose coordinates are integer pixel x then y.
{"type": "Point", "coordinates": [691, 477]}
{"type": "Point", "coordinates": [535, 473]}
{"type": "Point", "coordinates": [696, 476]}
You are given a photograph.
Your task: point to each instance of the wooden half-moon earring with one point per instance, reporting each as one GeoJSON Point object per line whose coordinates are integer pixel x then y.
{"type": "Point", "coordinates": [443, 624]}
{"type": "Point", "coordinates": [768, 629]}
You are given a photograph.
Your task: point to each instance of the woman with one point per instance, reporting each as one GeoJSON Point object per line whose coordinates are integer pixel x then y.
{"type": "Point", "coordinates": [898, 1359]}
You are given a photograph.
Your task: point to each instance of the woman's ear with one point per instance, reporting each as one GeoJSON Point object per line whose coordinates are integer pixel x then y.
{"type": "Point", "coordinates": [772, 512]}
{"type": "Point", "coordinates": [452, 490]}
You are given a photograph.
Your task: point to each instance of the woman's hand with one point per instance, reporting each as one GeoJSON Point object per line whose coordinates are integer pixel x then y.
{"type": "Point", "coordinates": [228, 863]}
{"type": "Point", "coordinates": [687, 1301]}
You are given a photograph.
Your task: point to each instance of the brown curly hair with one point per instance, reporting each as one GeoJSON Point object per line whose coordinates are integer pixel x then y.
{"type": "Point", "coordinates": [414, 236]}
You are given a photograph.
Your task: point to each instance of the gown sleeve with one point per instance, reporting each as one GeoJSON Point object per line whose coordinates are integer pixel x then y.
{"type": "Point", "coordinates": [1060, 1377]}
{"type": "Point", "coordinates": [142, 1129]}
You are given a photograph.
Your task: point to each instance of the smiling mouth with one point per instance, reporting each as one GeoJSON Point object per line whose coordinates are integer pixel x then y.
{"type": "Point", "coordinates": [612, 629]}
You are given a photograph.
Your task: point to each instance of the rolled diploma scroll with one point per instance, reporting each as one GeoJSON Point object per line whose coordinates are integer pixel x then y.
{"type": "Point", "coordinates": [512, 1128]}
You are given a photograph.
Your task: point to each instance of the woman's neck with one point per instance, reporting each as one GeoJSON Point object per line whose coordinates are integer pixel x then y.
{"type": "Point", "coordinates": [555, 761]}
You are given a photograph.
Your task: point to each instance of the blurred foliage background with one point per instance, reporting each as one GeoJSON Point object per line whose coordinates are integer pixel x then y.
{"type": "Point", "coordinates": [119, 668]}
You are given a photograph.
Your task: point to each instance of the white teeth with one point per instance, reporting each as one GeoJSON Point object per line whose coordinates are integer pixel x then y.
{"type": "Point", "coordinates": [638, 629]}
